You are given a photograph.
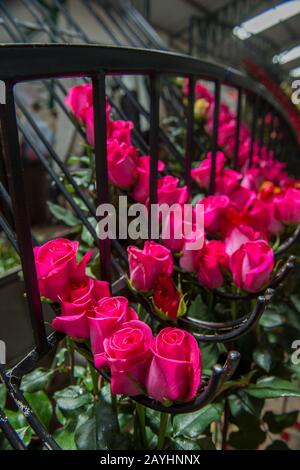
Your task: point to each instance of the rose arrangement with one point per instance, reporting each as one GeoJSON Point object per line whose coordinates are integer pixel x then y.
{"type": "Point", "coordinates": [119, 341]}
{"type": "Point", "coordinates": [244, 220]}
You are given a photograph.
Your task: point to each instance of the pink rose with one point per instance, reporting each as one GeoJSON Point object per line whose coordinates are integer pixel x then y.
{"type": "Point", "coordinates": [214, 207]}
{"type": "Point", "coordinates": [175, 370]}
{"type": "Point", "coordinates": [122, 161]}
{"type": "Point", "coordinates": [168, 191]}
{"type": "Point", "coordinates": [88, 119]}
{"type": "Point", "coordinates": [210, 262]}
{"type": "Point", "coordinates": [180, 225]}
{"type": "Point", "coordinates": [127, 352]}
{"type": "Point", "coordinates": [121, 131]}
{"type": "Point", "coordinates": [147, 264]}
{"type": "Point", "coordinates": [242, 198]}
{"type": "Point", "coordinates": [252, 265]}
{"type": "Point", "coordinates": [262, 217]}
{"type": "Point", "coordinates": [238, 236]}
{"type": "Point", "coordinates": [79, 295]}
{"type": "Point", "coordinates": [201, 174]}
{"type": "Point", "coordinates": [140, 191]}
{"type": "Point", "coordinates": [79, 98]}
{"type": "Point", "coordinates": [55, 261]}
{"type": "Point", "coordinates": [192, 245]}
{"type": "Point", "coordinates": [108, 315]}
{"type": "Point", "coordinates": [288, 206]}
{"type": "Point", "coordinates": [227, 181]}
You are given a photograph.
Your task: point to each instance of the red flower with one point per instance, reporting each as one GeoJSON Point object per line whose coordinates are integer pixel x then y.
{"type": "Point", "coordinates": [166, 296]}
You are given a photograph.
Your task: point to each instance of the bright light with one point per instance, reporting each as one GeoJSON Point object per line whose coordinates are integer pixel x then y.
{"type": "Point", "coordinates": [287, 56]}
{"type": "Point", "coordinates": [267, 19]}
{"type": "Point", "coordinates": [295, 72]}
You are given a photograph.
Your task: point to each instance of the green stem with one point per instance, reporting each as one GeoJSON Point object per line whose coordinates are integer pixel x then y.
{"type": "Point", "coordinates": [210, 300]}
{"type": "Point", "coordinates": [162, 430]}
{"type": "Point", "coordinates": [114, 406]}
{"type": "Point", "coordinates": [140, 411]}
{"type": "Point", "coordinates": [234, 309]}
{"type": "Point", "coordinates": [94, 377]}
{"type": "Point", "coordinates": [70, 347]}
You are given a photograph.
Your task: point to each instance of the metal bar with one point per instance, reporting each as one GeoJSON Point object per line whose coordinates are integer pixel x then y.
{"type": "Point", "coordinates": [99, 100]}
{"type": "Point", "coordinates": [22, 223]}
{"type": "Point", "coordinates": [238, 129]}
{"type": "Point", "coordinates": [24, 407]}
{"type": "Point", "coordinates": [9, 432]}
{"type": "Point", "coordinates": [253, 128]}
{"type": "Point", "coordinates": [190, 133]}
{"type": "Point", "coordinates": [215, 137]}
{"type": "Point", "coordinates": [154, 143]}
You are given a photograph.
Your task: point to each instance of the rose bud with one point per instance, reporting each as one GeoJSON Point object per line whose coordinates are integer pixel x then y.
{"type": "Point", "coordinates": [210, 262]}
{"type": "Point", "coordinates": [201, 174]}
{"type": "Point", "coordinates": [252, 265]}
{"type": "Point", "coordinates": [79, 295]}
{"type": "Point", "coordinates": [140, 192]}
{"type": "Point", "coordinates": [175, 370]}
{"type": "Point", "coordinates": [122, 161]}
{"type": "Point", "coordinates": [79, 98]}
{"type": "Point", "coordinates": [109, 314]}
{"type": "Point", "coordinates": [55, 261]}
{"type": "Point", "coordinates": [288, 206]}
{"type": "Point", "coordinates": [147, 264]}
{"type": "Point", "coordinates": [168, 301]}
{"type": "Point", "coordinates": [127, 353]}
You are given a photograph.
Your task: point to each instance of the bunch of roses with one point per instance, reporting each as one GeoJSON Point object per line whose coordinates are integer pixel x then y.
{"type": "Point", "coordinates": [166, 367]}
{"type": "Point", "coordinates": [263, 159]}
{"type": "Point", "coordinates": [126, 169]}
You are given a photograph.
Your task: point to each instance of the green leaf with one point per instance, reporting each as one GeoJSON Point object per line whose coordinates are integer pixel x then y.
{"type": "Point", "coordinates": [240, 402]}
{"type": "Point", "coordinates": [25, 434]}
{"type": "Point", "coordinates": [279, 422]}
{"type": "Point", "coordinates": [153, 421]}
{"type": "Point", "coordinates": [41, 406]}
{"type": "Point", "coordinates": [263, 358]}
{"type": "Point", "coordinates": [271, 319]}
{"type": "Point", "coordinates": [192, 425]}
{"type": "Point", "coordinates": [273, 387]}
{"type": "Point", "coordinates": [296, 302]}
{"type": "Point", "coordinates": [72, 398]}
{"type": "Point", "coordinates": [249, 436]}
{"type": "Point", "coordinates": [16, 419]}
{"type": "Point", "coordinates": [278, 445]}
{"type": "Point", "coordinates": [100, 431]}
{"type": "Point", "coordinates": [36, 380]}
{"type": "Point", "coordinates": [184, 444]}
{"type": "Point", "coordinates": [2, 395]}
{"type": "Point", "coordinates": [210, 354]}
{"type": "Point", "coordinates": [65, 437]}
{"type": "Point", "coordinates": [63, 215]}
{"type": "Point", "coordinates": [60, 357]}
{"type": "Point", "coordinates": [198, 309]}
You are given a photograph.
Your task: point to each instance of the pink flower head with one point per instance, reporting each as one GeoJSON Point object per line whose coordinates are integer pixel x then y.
{"type": "Point", "coordinates": [122, 161]}
{"type": "Point", "coordinates": [175, 369]}
{"type": "Point", "coordinates": [145, 265]}
{"type": "Point", "coordinates": [109, 314]}
{"type": "Point", "coordinates": [210, 262]}
{"type": "Point", "coordinates": [238, 236]}
{"type": "Point", "coordinates": [168, 191]}
{"type": "Point", "coordinates": [228, 181]}
{"type": "Point", "coordinates": [79, 98]}
{"type": "Point", "coordinates": [79, 295]}
{"type": "Point", "coordinates": [252, 265]}
{"type": "Point", "coordinates": [121, 131]}
{"type": "Point", "coordinates": [127, 353]}
{"type": "Point", "coordinates": [201, 174]}
{"type": "Point", "coordinates": [288, 206]}
{"type": "Point", "coordinates": [88, 119]}
{"type": "Point", "coordinates": [140, 191]}
{"type": "Point", "coordinates": [214, 207]}
{"type": "Point", "coordinates": [55, 261]}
